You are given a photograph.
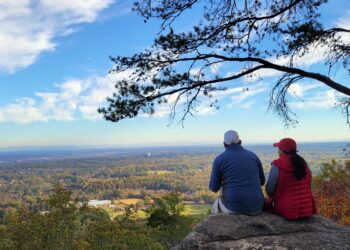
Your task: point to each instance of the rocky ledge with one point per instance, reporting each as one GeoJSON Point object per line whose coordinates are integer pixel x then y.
{"type": "Point", "coordinates": [266, 231]}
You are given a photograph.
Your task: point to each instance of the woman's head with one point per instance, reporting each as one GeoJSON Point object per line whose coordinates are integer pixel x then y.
{"type": "Point", "coordinates": [288, 146]}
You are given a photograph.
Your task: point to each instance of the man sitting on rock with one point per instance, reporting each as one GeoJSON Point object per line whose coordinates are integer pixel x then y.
{"type": "Point", "coordinates": [239, 174]}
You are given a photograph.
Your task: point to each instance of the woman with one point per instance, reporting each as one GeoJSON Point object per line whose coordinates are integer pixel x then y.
{"type": "Point", "coordinates": [289, 183]}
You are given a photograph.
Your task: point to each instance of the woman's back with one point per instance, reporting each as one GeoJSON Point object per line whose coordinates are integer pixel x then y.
{"type": "Point", "coordinates": [291, 193]}
{"type": "Point", "coordinates": [292, 197]}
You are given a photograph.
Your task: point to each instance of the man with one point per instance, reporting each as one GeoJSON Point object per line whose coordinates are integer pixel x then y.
{"type": "Point", "coordinates": [239, 174]}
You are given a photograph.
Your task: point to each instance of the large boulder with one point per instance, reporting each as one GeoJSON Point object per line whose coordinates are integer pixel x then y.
{"type": "Point", "coordinates": [266, 231]}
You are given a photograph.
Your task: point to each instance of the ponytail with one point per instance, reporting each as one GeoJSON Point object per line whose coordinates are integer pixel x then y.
{"type": "Point", "coordinates": [299, 165]}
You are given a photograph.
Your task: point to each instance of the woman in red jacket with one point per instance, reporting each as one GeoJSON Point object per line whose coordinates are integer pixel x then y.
{"type": "Point", "coordinates": [289, 183]}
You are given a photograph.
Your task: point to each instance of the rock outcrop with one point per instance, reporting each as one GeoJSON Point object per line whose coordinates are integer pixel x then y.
{"type": "Point", "coordinates": [266, 231]}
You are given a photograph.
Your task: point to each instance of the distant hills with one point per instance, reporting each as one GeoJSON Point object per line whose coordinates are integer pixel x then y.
{"type": "Point", "coordinates": [310, 151]}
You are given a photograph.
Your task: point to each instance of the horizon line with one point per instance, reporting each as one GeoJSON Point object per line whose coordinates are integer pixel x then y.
{"type": "Point", "coordinates": [147, 145]}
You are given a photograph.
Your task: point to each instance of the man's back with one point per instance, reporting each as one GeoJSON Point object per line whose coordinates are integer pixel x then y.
{"type": "Point", "coordinates": [240, 174]}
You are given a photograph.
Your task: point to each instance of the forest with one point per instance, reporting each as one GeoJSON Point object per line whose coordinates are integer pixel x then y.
{"type": "Point", "coordinates": [159, 197]}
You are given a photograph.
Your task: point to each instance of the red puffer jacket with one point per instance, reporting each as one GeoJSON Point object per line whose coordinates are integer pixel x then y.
{"type": "Point", "coordinates": [292, 197]}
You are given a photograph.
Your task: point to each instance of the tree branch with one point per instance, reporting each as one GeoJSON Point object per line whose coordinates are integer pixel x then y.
{"type": "Point", "coordinates": [196, 84]}
{"type": "Point", "coordinates": [239, 30]}
{"type": "Point", "coordinates": [316, 76]}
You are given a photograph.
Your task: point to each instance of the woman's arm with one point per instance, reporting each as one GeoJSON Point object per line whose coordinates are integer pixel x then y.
{"type": "Point", "coordinates": [272, 181]}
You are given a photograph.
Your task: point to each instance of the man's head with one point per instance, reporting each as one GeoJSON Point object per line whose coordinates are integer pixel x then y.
{"type": "Point", "coordinates": [231, 137]}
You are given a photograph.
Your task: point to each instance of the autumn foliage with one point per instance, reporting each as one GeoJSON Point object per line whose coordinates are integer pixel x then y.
{"type": "Point", "coordinates": [332, 192]}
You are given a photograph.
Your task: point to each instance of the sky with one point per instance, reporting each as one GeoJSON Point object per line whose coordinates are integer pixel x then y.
{"type": "Point", "coordinates": [54, 64]}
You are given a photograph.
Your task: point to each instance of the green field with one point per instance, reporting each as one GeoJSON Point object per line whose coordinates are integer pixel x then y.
{"type": "Point", "coordinates": [159, 172]}
{"type": "Point", "coordinates": [190, 209]}
{"type": "Point", "coordinates": [114, 213]}
{"type": "Point", "coordinates": [127, 201]}
{"type": "Point", "coordinates": [196, 209]}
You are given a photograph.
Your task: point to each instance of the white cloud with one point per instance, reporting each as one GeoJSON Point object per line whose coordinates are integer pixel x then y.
{"type": "Point", "coordinates": [88, 111]}
{"type": "Point", "coordinates": [230, 91]}
{"type": "Point", "coordinates": [344, 22]}
{"type": "Point", "coordinates": [24, 110]}
{"type": "Point", "coordinates": [321, 100]}
{"type": "Point", "coordinates": [237, 96]}
{"type": "Point", "coordinates": [195, 72]}
{"type": "Point", "coordinates": [205, 109]}
{"type": "Point", "coordinates": [248, 104]}
{"type": "Point", "coordinates": [240, 98]}
{"type": "Point", "coordinates": [28, 27]}
{"type": "Point", "coordinates": [216, 67]}
{"type": "Point", "coordinates": [162, 111]}
{"type": "Point", "coordinates": [315, 54]}
{"type": "Point", "coordinates": [80, 98]}
{"type": "Point", "coordinates": [74, 98]}
{"type": "Point", "coordinates": [300, 89]}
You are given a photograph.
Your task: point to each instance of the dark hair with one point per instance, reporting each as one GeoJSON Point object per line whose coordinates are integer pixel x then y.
{"type": "Point", "coordinates": [299, 165]}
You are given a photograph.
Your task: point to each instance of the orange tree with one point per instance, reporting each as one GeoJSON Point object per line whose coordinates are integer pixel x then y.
{"type": "Point", "coordinates": [332, 191]}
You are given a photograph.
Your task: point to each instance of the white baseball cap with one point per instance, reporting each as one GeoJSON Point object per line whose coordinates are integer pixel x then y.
{"type": "Point", "coordinates": [230, 137]}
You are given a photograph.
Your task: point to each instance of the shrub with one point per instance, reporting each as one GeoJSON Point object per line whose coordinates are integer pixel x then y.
{"type": "Point", "coordinates": [332, 191]}
{"type": "Point", "coordinates": [165, 209]}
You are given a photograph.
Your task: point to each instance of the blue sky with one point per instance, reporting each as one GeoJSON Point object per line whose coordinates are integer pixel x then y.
{"type": "Point", "coordinates": [54, 75]}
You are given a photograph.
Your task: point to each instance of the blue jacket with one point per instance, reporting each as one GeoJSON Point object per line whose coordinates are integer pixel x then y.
{"type": "Point", "coordinates": [240, 174]}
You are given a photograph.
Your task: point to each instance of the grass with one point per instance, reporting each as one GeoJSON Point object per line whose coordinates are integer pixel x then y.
{"type": "Point", "coordinates": [159, 172]}
{"type": "Point", "coordinates": [172, 234]}
{"type": "Point", "coordinates": [127, 202]}
{"type": "Point", "coordinates": [141, 214]}
{"type": "Point", "coordinates": [113, 213]}
{"type": "Point", "coordinates": [196, 209]}
{"type": "Point", "coordinates": [120, 206]}
{"type": "Point", "coordinates": [190, 209]}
